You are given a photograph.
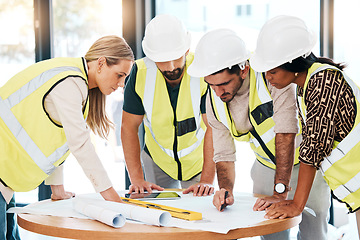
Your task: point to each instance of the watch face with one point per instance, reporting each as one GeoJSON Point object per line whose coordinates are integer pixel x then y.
{"type": "Point", "coordinates": [280, 188]}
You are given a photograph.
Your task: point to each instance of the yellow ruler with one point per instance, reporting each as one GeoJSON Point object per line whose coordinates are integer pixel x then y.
{"type": "Point", "coordinates": [175, 212]}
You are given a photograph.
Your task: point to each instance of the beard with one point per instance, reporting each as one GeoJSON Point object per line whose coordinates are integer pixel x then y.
{"type": "Point", "coordinates": [175, 74]}
{"type": "Point", "coordinates": [227, 97]}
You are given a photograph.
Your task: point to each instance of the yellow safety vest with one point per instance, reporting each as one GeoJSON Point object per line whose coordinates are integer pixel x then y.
{"type": "Point", "coordinates": [262, 137]}
{"type": "Point", "coordinates": [174, 140]}
{"type": "Point", "coordinates": [341, 169]}
{"type": "Point", "coordinates": [32, 144]}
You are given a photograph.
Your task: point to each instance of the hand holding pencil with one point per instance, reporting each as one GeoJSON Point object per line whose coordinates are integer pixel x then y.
{"type": "Point", "coordinates": [223, 198]}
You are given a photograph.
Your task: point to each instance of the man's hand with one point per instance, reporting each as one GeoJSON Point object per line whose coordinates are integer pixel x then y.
{"type": "Point", "coordinates": [284, 209]}
{"type": "Point", "coordinates": [265, 202]}
{"type": "Point", "coordinates": [59, 193]}
{"type": "Point", "coordinates": [200, 189]}
{"type": "Point", "coordinates": [142, 186]}
{"type": "Point", "coordinates": [219, 199]}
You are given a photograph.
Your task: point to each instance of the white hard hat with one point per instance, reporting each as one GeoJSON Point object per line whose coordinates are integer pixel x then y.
{"type": "Point", "coordinates": [165, 39]}
{"type": "Point", "coordinates": [281, 39]}
{"type": "Point", "coordinates": [216, 50]}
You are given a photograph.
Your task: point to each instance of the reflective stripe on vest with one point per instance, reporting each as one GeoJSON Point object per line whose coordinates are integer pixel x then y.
{"type": "Point", "coordinates": [266, 137]}
{"type": "Point", "coordinates": [264, 96]}
{"type": "Point", "coordinates": [342, 191]}
{"type": "Point", "coordinates": [43, 162]}
{"type": "Point", "coordinates": [148, 105]}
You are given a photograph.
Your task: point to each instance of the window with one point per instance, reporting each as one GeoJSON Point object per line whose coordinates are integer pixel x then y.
{"type": "Point", "coordinates": [239, 10]}
{"type": "Point", "coordinates": [17, 42]}
{"type": "Point", "coordinates": [77, 24]}
{"type": "Point", "coordinates": [248, 10]}
{"type": "Point", "coordinates": [243, 16]}
{"type": "Point", "coordinates": [346, 37]}
{"type": "Point", "coordinates": [243, 10]}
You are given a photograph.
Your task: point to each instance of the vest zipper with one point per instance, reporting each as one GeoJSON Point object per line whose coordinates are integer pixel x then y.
{"type": "Point", "coordinates": [176, 157]}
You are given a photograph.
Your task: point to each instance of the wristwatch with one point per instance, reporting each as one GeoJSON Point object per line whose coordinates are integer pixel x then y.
{"type": "Point", "coordinates": [281, 188]}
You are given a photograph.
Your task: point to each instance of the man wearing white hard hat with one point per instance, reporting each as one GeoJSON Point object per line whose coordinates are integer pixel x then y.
{"type": "Point", "coordinates": [242, 105]}
{"type": "Point", "coordinates": [160, 93]}
{"type": "Point", "coordinates": [328, 103]}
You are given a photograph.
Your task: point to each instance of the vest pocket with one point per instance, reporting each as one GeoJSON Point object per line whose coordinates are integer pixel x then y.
{"type": "Point", "coordinates": [185, 126]}
{"type": "Point", "coordinates": [263, 112]}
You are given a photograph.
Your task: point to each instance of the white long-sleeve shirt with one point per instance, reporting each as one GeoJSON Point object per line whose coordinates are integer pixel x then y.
{"type": "Point", "coordinates": [64, 104]}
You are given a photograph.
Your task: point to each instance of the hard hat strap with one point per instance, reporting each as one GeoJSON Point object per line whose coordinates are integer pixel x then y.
{"type": "Point", "coordinates": [242, 65]}
{"type": "Point", "coordinates": [305, 55]}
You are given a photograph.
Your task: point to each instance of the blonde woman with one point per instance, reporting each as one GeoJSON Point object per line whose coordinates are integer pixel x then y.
{"type": "Point", "coordinates": [47, 111]}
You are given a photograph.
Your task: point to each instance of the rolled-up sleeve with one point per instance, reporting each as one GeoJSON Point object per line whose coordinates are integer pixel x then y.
{"type": "Point", "coordinates": [285, 109]}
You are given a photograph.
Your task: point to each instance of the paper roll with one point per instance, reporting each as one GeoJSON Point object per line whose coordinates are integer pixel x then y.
{"type": "Point", "coordinates": [148, 215]}
{"type": "Point", "coordinates": [109, 217]}
{"type": "Point", "coordinates": [132, 212]}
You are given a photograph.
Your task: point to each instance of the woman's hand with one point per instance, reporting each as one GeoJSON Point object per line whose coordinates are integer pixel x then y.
{"type": "Point", "coordinates": [265, 202]}
{"type": "Point", "coordinates": [284, 209]}
{"type": "Point", "coordinates": [111, 195]}
{"type": "Point", "coordinates": [59, 193]}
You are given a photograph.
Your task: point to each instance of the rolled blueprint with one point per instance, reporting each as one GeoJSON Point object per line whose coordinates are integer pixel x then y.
{"type": "Point", "coordinates": [132, 212]}
{"type": "Point", "coordinates": [109, 217]}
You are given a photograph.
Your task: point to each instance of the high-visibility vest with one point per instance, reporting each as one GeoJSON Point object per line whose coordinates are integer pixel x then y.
{"type": "Point", "coordinates": [174, 139]}
{"type": "Point", "coordinates": [341, 169]}
{"type": "Point", "coordinates": [32, 144]}
{"type": "Point", "coordinates": [262, 137]}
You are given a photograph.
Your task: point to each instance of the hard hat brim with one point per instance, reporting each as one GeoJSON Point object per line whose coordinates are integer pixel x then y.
{"type": "Point", "coordinates": [197, 70]}
{"type": "Point", "coordinates": [167, 55]}
{"type": "Point", "coordinates": [259, 65]}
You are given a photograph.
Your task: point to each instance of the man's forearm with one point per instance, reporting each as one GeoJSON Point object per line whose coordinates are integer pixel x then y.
{"type": "Point", "coordinates": [226, 174]}
{"type": "Point", "coordinates": [285, 153]}
{"type": "Point", "coordinates": [208, 170]}
{"type": "Point", "coordinates": [131, 147]}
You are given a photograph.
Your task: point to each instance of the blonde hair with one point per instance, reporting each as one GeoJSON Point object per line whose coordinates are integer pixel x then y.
{"type": "Point", "coordinates": [114, 49]}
